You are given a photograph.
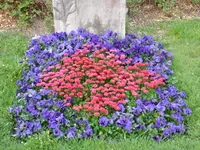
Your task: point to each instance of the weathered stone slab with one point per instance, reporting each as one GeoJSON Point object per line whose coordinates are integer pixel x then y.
{"type": "Point", "coordinates": [96, 16]}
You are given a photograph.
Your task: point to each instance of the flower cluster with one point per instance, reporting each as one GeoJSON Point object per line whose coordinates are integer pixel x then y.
{"type": "Point", "coordinates": [102, 80]}
{"type": "Point", "coordinates": [124, 83]}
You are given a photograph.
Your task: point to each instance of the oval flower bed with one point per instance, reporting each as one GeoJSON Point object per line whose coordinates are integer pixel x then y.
{"type": "Point", "coordinates": [82, 85]}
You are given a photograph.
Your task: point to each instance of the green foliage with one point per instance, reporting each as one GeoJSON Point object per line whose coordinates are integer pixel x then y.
{"type": "Point", "coordinates": [25, 10]}
{"type": "Point", "coordinates": [135, 1]}
{"type": "Point", "coordinates": [196, 1]}
{"type": "Point", "coordinates": [166, 5]}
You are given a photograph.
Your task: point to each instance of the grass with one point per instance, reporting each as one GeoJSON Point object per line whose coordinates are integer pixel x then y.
{"type": "Point", "coordinates": [182, 38]}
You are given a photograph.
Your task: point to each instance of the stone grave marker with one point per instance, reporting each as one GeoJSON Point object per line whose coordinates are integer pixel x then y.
{"type": "Point", "coordinates": [96, 16]}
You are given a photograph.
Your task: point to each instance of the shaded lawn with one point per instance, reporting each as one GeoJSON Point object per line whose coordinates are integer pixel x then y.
{"type": "Point", "coordinates": [182, 38]}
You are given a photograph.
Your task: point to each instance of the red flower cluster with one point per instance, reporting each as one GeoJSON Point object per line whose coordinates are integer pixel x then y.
{"type": "Point", "coordinates": [97, 80]}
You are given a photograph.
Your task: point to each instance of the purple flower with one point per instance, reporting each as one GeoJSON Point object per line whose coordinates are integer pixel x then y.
{"type": "Point", "coordinates": [119, 123]}
{"type": "Point", "coordinates": [103, 122]}
{"type": "Point", "coordinates": [140, 127]}
{"type": "Point", "coordinates": [80, 136]}
{"type": "Point", "coordinates": [17, 133]}
{"type": "Point", "coordinates": [178, 118]}
{"type": "Point", "coordinates": [28, 132]}
{"type": "Point", "coordinates": [88, 133]}
{"type": "Point", "coordinates": [45, 103]}
{"type": "Point", "coordinates": [167, 133]}
{"type": "Point", "coordinates": [44, 113]}
{"type": "Point", "coordinates": [72, 33]}
{"type": "Point", "coordinates": [125, 123]}
{"type": "Point", "coordinates": [31, 91]}
{"type": "Point", "coordinates": [180, 102]}
{"type": "Point", "coordinates": [160, 46]}
{"type": "Point", "coordinates": [37, 126]}
{"type": "Point", "coordinates": [157, 139]}
{"type": "Point", "coordinates": [15, 111]}
{"type": "Point", "coordinates": [166, 103]}
{"type": "Point", "coordinates": [177, 129]}
{"type": "Point", "coordinates": [28, 128]}
{"type": "Point", "coordinates": [34, 113]}
{"type": "Point", "coordinates": [57, 132]}
{"type": "Point", "coordinates": [53, 124]}
{"type": "Point", "coordinates": [80, 31]}
{"type": "Point", "coordinates": [122, 108]}
{"type": "Point", "coordinates": [182, 94]}
{"type": "Point", "coordinates": [37, 97]}
{"type": "Point", "coordinates": [115, 115]}
{"type": "Point", "coordinates": [86, 123]}
{"type": "Point", "coordinates": [187, 111]}
{"type": "Point", "coordinates": [29, 125]}
{"type": "Point", "coordinates": [169, 63]}
{"type": "Point", "coordinates": [160, 123]}
{"type": "Point", "coordinates": [151, 107]}
{"type": "Point", "coordinates": [139, 102]}
{"type": "Point", "coordinates": [111, 121]}
{"type": "Point", "coordinates": [157, 59]}
{"type": "Point", "coordinates": [83, 122]}
{"type": "Point", "coordinates": [19, 83]}
{"type": "Point", "coordinates": [60, 104]}
{"type": "Point", "coordinates": [160, 108]}
{"type": "Point", "coordinates": [61, 120]}
{"type": "Point", "coordinates": [71, 133]}
{"type": "Point", "coordinates": [128, 128]}
{"type": "Point", "coordinates": [137, 111]}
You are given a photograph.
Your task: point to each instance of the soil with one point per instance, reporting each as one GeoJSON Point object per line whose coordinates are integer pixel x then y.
{"type": "Point", "coordinates": [148, 14]}
{"type": "Point", "coordinates": [8, 23]}
{"type": "Point", "coordinates": [138, 16]}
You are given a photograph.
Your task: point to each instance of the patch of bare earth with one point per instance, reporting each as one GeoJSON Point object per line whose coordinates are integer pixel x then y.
{"type": "Point", "coordinates": [148, 14]}
{"type": "Point", "coordinates": [8, 23]}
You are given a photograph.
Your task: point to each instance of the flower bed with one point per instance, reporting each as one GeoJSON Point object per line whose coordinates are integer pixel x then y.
{"type": "Point", "coordinates": [86, 86]}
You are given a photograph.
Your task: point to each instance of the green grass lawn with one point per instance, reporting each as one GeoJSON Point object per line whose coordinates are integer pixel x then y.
{"type": "Point", "coordinates": [182, 38]}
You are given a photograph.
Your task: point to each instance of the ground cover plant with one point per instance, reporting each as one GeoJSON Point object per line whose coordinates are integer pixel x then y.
{"type": "Point", "coordinates": [86, 86]}
{"type": "Point", "coordinates": [14, 45]}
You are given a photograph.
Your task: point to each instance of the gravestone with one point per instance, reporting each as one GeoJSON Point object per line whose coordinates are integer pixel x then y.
{"type": "Point", "coordinates": [96, 16]}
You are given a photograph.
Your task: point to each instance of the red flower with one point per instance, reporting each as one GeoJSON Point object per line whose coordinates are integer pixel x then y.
{"type": "Point", "coordinates": [96, 114]}
{"type": "Point", "coordinates": [122, 57]}
{"type": "Point", "coordinates": [68, 104]}
{"type": "Point", "coordinates": [99, 83]}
